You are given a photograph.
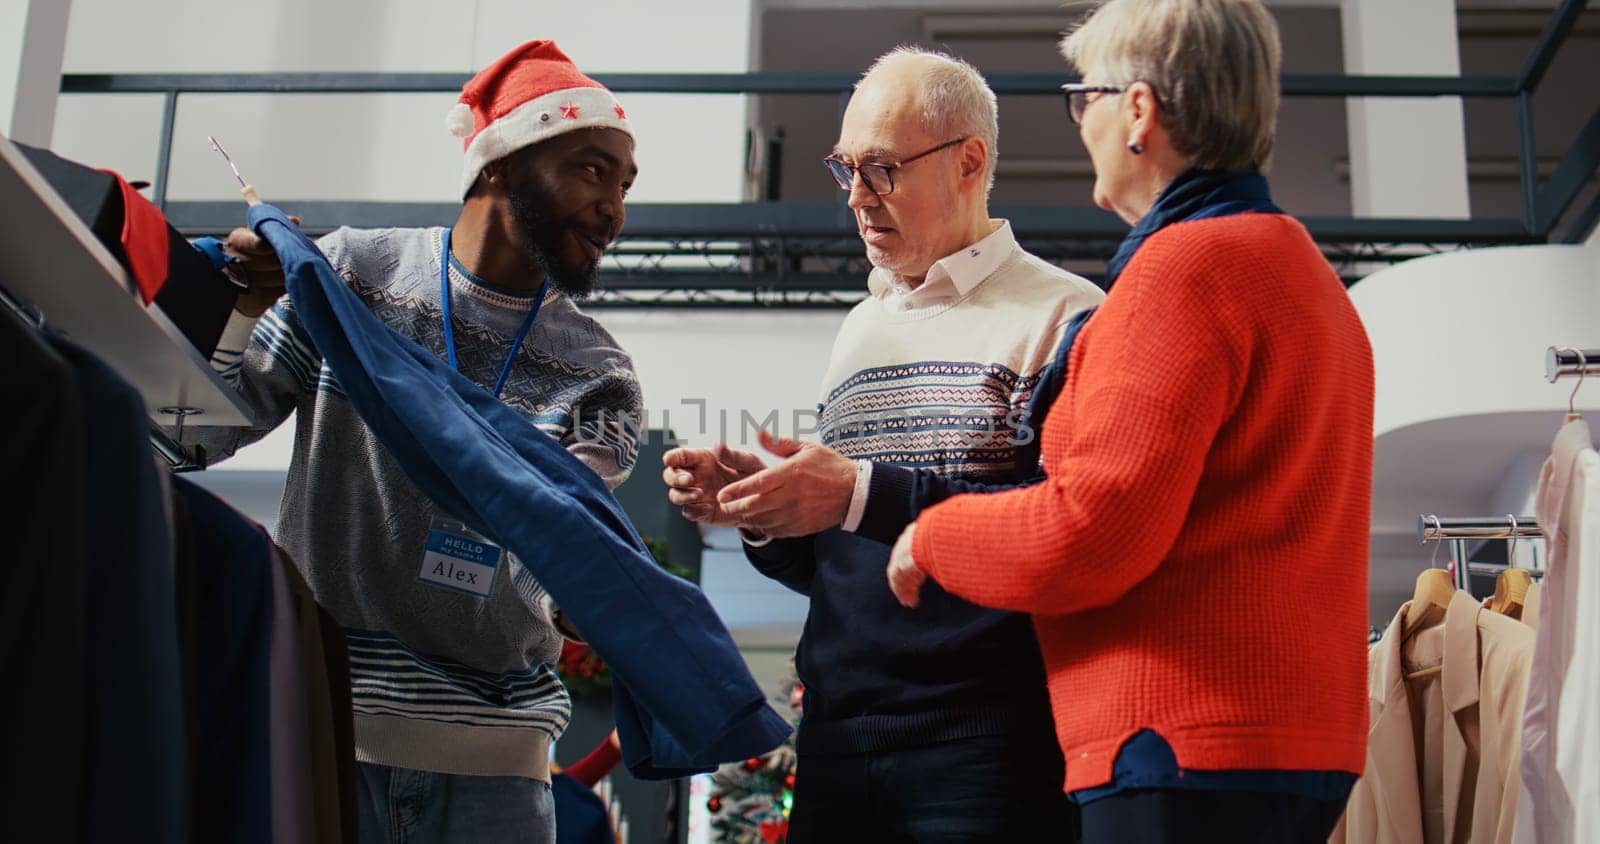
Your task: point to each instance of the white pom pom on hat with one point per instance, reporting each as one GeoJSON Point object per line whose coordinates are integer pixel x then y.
{"type": "Point", "coordinates": [459, 120]}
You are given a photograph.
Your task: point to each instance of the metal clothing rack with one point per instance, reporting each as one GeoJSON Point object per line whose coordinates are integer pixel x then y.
{"type": "Point", "coordinates": [1566, 361]}
{"type": "Point", "coordinates": [1559, 362]}
{"type": "Point", "coordinates": [179, 457]}
{"type": "Point", "coordinates": [1460, 531]}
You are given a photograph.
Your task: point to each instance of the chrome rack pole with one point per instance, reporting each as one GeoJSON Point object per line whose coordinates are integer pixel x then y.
{"type": "Point", "coordinates": [1458, 532]}
{"type": "Point", "coordinates": [1432, 528]}
{"type": "Point", "coordinates": [1565, 361]}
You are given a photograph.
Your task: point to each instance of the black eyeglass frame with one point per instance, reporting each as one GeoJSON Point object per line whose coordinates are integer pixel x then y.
{"type": "Point", "coordinates": [1078, 101]}
{"type": "Point", "coordinates": [844, 173]}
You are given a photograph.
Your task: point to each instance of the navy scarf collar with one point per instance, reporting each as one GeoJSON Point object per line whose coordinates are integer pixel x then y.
{"type": "Point", "coordinates": [1195, 195]}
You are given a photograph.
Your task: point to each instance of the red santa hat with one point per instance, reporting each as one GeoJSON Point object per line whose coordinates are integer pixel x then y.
{"type": "Point", "coordinates": [528, 95]}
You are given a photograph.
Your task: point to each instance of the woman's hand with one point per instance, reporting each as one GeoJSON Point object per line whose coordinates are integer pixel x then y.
{"type": "Point", "coordinates": [905, 579]}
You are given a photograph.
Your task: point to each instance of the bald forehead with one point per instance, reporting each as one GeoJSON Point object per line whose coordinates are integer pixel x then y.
{"type": "Point", "coordinates": [885, 111]}
{"type": "Point", "coordinates": [901, 68]}
{"type": "Point", "coordinates": [896, 83]}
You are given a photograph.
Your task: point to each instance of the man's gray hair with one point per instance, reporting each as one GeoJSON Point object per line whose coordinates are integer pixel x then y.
{"type": "Point", "coordinates": [956, 100]}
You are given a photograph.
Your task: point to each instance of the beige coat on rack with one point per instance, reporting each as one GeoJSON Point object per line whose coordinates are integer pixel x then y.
{"type": "Point", "coordinates": [1469, 732]}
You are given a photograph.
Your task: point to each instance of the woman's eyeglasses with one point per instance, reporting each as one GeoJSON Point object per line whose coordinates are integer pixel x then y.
{"type": "Point", "coordinates": [1078, 97]}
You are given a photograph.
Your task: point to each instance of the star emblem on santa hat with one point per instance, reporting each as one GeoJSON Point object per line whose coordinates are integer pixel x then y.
{"type": "Point", "coordinates": [569, 111]}
{"type": "Point", "coordinates": [617, 107]}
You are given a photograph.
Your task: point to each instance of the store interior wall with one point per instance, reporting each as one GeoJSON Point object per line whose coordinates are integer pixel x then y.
{"type": "Point", "coordinates": [394, 146]}
{"type": "Point", "coordinates": [32, 35]}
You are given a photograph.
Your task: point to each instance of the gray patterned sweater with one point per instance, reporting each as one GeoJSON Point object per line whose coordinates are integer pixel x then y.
{"type": "Point", "coordinates": [442, 680]}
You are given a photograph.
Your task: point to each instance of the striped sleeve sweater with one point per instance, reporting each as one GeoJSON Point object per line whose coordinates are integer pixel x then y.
{"type": "Point", "coordinates": [441, 680]}
{"type": "Point", "coordinates": [1195, 562]}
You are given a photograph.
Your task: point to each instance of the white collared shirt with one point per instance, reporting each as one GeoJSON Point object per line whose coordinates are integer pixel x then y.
{"type": "Point", "coordinates": [951, 277]}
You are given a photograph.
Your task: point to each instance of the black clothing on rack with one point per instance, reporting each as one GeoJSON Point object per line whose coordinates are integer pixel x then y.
{"type": "Point", "coordinates": [42, 775]}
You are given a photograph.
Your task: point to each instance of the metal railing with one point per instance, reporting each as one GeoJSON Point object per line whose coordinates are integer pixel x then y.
{"type": "Point", "coordinates": [778, 242]}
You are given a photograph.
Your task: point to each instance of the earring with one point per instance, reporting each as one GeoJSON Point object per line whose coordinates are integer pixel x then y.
{"type": "Point", "coordinates": [1135, 148]}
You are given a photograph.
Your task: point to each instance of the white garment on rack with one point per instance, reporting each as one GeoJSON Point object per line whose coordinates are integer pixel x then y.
{"type": "Point", "coordinates": [1560, 799]}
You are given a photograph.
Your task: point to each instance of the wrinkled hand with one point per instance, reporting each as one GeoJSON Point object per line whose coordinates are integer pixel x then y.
{"type": "Point", "coordinates": [809, 492]}
{"type": "Point", "coordinates": [694, 476]}
{"type": "Point", "coordinates": [260, 267]}
{"type": "Point", "coordinates": [905, 579]}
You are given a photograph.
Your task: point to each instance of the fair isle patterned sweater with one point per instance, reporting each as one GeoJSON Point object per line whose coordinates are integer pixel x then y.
{"type": "Point", "coordinates": [939, 378]}
{"type": "Point", "coordinates": [442, 680]}
{"type": "Point", "coordinates": [936, 379]}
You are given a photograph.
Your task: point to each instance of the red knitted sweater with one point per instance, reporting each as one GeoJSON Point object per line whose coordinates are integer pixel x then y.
{"type": "Point", "coordinates": [1196, 562]}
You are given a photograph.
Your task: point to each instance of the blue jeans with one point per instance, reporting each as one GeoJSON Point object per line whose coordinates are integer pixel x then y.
{"type": "Point", "coordinates": [983, 789]}
{"type": "Point", "coordinates": [400, 805]}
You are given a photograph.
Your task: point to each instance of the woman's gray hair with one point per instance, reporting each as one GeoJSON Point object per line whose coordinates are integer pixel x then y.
{"type": "Point", "coordinates": [1213, 65]}
{"type": "Point", "coordinates": [956, 99]}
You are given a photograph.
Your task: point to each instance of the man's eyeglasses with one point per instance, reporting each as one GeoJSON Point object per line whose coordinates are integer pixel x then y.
{"type": "Point", "coordinates": [878, 176]}
{"type": "Point", "coordinates": [1078, 97]}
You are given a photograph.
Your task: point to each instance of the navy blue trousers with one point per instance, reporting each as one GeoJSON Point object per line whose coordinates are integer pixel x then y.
{"type": "Point", "coordinates": [979, 789]}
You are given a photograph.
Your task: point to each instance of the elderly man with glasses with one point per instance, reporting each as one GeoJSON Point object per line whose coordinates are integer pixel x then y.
{"type": "Point", "coordinates": [931, 725]}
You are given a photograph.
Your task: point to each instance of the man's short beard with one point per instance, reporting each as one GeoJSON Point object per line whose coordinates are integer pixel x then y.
{"type": "Point", "coordinates": [542, 237]}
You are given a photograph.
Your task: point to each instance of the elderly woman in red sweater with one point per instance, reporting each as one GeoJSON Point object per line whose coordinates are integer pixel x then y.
{"type": "Point", "coordinates": [1195, 562]}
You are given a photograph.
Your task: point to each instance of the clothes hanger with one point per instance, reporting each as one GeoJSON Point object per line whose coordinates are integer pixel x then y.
{"type": "Point", "coordinates": [1511, 587]}
{"type": "Point", "coordinates": [1583, 365]}
{"type": "Point", "coordinates": [1435, 588]}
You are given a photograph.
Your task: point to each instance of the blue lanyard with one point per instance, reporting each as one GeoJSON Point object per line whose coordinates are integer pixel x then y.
{"type": "Point", "coordinates": [450, 334]}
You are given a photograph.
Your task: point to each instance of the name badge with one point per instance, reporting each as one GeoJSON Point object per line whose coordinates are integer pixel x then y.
{"type": "Point", "coordinates": [458, 559]}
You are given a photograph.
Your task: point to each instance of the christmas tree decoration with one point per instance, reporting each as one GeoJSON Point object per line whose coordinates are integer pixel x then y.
{"type": "Point", "coordinates": [753, 799]}
{"type": "Point", "coordinates": [773, 831]}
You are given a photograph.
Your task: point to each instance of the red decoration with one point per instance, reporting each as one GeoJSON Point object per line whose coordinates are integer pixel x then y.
{"type": "Point", "coordinates": [577, 660]}
{"type": "Point", "coordinates": [569, 111]}
{"type": "Point", "coordinates": [773, 831]}
{"type": "Point", "coordinates": [788, 782]}
{"type": "Point", "coordinates": [621, 115]}
{"type": "Point", "coordinates": [582, 671]}
{"type": "Point", "coordinates": [144, 239]}
{"type": "Point", "coordinates": [752, 765]}
{"type": "Point", "coordinates": [714, 804]}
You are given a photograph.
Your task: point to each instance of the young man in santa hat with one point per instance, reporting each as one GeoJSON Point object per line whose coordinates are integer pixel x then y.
{"type": "Point", "coordinates": [456, 701]}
